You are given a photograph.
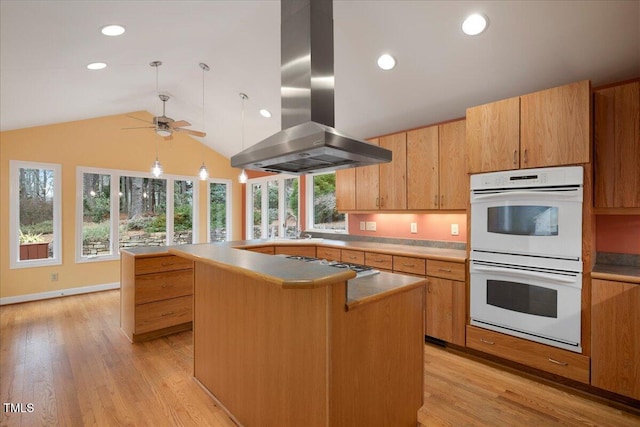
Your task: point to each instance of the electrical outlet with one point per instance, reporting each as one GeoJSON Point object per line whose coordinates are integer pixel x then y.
{"type": "Point", "coordinates": [371, 226]}
{"type": "Point", "coordinates": [54, 277]}
{"type": "Point", "coordinates": [455, 230]}
{"type": "Point", "coordinates": [414, 227]}
{"type": "Point", "coordinates": [362, 225]}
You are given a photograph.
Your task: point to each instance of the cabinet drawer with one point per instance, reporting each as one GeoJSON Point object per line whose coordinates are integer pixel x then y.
{"type": "Point", "coordinates": [162, 263]}
{"type": "Point", "coordinates": [382, 261]}
{"type": "Point", "coordinates": [309, 251]}
{"type": "Point", "coordinates": [446, 270]}
{"type": "Point", "coordinates": [269, 250]}
{"type": "Point", "coordinates": [539, 356]}
{"type": "Point", "coordinates": [330, 254]}
{"type": "Point", "coordinates": [163, 314]}
{"type": "Point", "coordinates": [409, 265]}
{"type": "Point", "coordinates": [354, 257]}
{"type": "Point", "coordinates": [160, 286]}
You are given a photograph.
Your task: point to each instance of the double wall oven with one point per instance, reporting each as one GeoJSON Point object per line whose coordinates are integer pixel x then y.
{"type": "Point", "coordinates": [526, 254]}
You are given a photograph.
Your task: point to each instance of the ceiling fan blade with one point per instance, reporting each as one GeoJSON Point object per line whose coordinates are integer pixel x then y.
{"type": "Point", "coordinates": [190, 132]}
{"type": "Point", "coordinates": [140, 127]}
{"type": "Point", "coordinates": [142, 120]}
{"type": "Point", "coordinates": [179, 124]}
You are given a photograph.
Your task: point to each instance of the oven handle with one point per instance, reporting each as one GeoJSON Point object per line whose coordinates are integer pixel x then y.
{"type": "Point", "coordinates": [571, 281]}
{"type": "Point", "coordinates": [557, 195]}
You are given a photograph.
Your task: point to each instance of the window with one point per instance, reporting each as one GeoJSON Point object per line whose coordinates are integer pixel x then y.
{"type": "Point", "coordinates": [182, 212]}
{"type": "Point", "coordinates": [321, 204]}
{"type": "Point", "coordinates": [96, 222]}
{"type": "Point", "coordinates": [35, 214]}
{"type": "Point", "coordinates": [143, 212]}
{"type": "Point", "coordinates": [219, 223]}
{"type": "Point", "coordinates": [276, 200]}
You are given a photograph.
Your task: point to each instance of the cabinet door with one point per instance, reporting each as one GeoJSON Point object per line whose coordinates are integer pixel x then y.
{"type": "Point", "coordinates": [617, 146]}
{"type": "Point", "coordinates": [454, 181]}
{"type": "Point", "coordinates": [493, 136]}
{"type": "Point", "coordinates": [346, 189]}
{"type": "Point", "coordinates": [445, 315]}
{"type": "Point", "coordinates": [422, 168]}
{"type": "Point", "coordinates": [555, 126]}
{"type": "Point", "coordinates": [368, 185]}
{"type": "Point", "coordinates": [615, 337]}
{"type": "Point", "coordinates": [393, 175]}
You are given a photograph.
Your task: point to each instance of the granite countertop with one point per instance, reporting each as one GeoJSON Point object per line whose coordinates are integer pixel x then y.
{"type": "Point", "coordinates": [620, 273]}
{"type": "Point", "coordinates": [296, 274]}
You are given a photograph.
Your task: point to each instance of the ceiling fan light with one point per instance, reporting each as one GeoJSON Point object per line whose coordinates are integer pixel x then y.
{"type": "Point", "coordinates": [112, 30]}
{"type": "Point", "coordinates": [242, 178]}
{"type": "Point", "coordinates": [156, 168]}
{"type": "Point", "coordinates": [163, 132]}
{"type": "Point", "coordinates": [203, 173]}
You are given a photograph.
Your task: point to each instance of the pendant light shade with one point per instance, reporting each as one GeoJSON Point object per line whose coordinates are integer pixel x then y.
{"type": "Point", "coordinates": [156, 168]}
{"type": "Point", "coordinates": [203, 173]}
{"type": "Point", "coordinates": [242, 178]}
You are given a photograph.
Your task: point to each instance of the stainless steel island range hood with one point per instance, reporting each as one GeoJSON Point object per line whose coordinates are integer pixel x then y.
{"type": "Point", "coordinates": [308, 142]}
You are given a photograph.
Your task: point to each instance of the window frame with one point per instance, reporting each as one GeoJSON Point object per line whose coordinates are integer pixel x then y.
{"type": "Point", "coordinates": [14, 214]}
{"type": "Point", "coordinates": [229, 184]}
{"type": "Point", "coordinates": [309, 199]}
{"type": "Point", "coordinates": [264, 229]}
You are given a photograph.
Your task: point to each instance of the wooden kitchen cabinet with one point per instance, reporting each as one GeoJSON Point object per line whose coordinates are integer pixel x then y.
{"type": "Point", "coordinates": [269, 250]}
{"type": "Point", "coordinates": [617, 146]}
{"type": "Point", "coordinates": [368, 185]}
{"type": "Point", "coordinates": [346, 189]}
{"type": "Point", "coordinates": [306, 250]}
{"type": "Point", "coordinates": [330, 254]}
{"type": "Point", "coordinates": [351, 256]}
{"type": "Point", "coordinates": [393, 174]}
{"type": "Point", "coordinates": [436, 167]}
{"type": "Point", "coordinates": [156, 295]}
{"type": "Point", "coordinates": [615, 337]}
{"type": "Point", "coordinates": [379, 261]}
{"type": "Point", "coordinates": [445, 301]}
{"type": "Point", "coordinates": [547, 128]}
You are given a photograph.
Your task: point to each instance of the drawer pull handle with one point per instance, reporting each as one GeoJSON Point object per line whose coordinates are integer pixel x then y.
{"type": "Point", "coordinates": [168, 313]}
{"type": "Point", "coordinates": [446, 270]}
{"type": "Point", "coordinates": [352, 257]}
{"type": "Point", "coordinates": [557, 362]}
{"type": "Point", "coordinates": [166, 264]}
{"type": "Point", "coordinates": [378, 260]}
{"type": "Point", "coordinates": [408, 265]}
{"type": "Point", "coordinates": [487, 342]}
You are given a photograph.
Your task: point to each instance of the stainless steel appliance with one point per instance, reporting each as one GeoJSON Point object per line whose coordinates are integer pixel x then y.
{"type": "Point", "coordinates": [308, 142]}
{"type": "Point", "coordinates": [526, 254]}
{"type": "Point", "coordinates": [360, 270]}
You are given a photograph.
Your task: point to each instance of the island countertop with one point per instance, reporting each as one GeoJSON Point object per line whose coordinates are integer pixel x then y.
{"type": "Point", "coordinates": [295, 274]}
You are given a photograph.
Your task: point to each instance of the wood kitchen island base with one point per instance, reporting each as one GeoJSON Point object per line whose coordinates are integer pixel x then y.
{"type": "Point", "coordinates": [278, 355]}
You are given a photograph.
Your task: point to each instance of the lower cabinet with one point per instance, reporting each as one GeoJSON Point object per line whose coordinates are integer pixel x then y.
{"type": "Point", "coordinates": [615, 337]}
{"type": "Point", "coordinates": [546, 358]}
{"type": "Point", "coordinates": [445, 312]}
{"type": "Point", "coordinates": [309, 251]}
{"type": "Point", "coordinates": [156, 295]}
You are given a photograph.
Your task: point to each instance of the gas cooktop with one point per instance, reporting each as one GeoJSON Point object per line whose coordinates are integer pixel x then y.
{"type": "Point", "coordinates": [360, 270]}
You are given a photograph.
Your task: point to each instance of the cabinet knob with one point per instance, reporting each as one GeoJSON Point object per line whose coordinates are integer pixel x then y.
{"type": "Point", "coordinates": [526, 156]}
{"type": "Point", "coordinates": [167, 313]}
{"type": "Point", "coordinates": [486, 341]}
{"type": "Point", "coordinates": [445, 270]}
{"type": "Point", "coordinates": [557, 362]}
{"type": "Point", "coordinates": [435, 200]}
{"type": "Point", "coordinates": [515, 157]}
{"type": "Point", "coordinates": [377, 202]}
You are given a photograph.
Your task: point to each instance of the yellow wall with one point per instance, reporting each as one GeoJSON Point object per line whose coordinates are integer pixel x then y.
{"type": "Point", "coordinates": [99, 143]}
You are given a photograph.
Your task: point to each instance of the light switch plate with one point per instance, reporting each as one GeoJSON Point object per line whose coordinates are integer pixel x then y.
{"type": "Point", "coordinates": [362, 225]}
{"type": "Point", "coordinates": [414, 227]}
{"type": "Point", "coordinates": [455, 230]}
{"type": "Point", "coordinates": [371, 226]}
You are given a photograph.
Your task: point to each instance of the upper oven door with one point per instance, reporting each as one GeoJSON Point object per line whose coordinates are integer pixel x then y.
{"type": "Point", "coordinates": [537, 222]}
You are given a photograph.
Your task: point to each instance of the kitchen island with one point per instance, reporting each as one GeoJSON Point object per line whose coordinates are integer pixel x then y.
{"type": "Point", "coordinates": [280, 342]}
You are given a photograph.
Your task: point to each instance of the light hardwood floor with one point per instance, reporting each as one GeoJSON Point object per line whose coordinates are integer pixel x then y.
{"type": "Point", "coordinates": [68, 357]}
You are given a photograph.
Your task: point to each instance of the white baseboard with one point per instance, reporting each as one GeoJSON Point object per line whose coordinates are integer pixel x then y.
{"type": "Point", "coordinates": [59, 293]}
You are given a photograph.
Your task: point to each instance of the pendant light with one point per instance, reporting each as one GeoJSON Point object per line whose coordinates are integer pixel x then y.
{"type": "Point", "coordinates": [242, 178]}
{"type": "Point", "coordinates": [203, 173]}
{"type": "Point", "coordinates": [156, 168]}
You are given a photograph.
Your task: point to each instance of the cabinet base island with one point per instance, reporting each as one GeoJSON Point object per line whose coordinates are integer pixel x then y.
{"type": "Point", "coordinates": [280, 342]}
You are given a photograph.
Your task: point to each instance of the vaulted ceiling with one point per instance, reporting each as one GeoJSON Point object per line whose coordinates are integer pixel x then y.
{"type": "Point", "coordinates": [528, 46]}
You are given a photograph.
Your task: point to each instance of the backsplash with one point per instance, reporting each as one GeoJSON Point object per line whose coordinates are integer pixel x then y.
{"type": "Point", "coordinates": [433, 227]}
{"type": "Point", "coordinates": [618, 234]}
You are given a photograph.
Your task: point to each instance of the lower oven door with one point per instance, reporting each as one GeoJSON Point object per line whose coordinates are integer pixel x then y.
{"type": "Point", "coordinates": [532, 303]}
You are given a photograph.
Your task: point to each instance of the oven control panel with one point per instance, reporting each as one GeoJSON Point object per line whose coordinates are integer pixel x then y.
{"type": "Point", "coordinates": [540, 177]}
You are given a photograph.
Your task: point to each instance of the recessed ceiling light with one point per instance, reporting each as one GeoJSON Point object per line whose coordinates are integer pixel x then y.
{"type": "Point", "coordinates": [97, 66]}
{"type": "Point", "coordinates": [386, 62]}
{"type": "Point", "coordinates": [112, 30]}
{"type": "Point", "coordinates": [474, 24]}
{"type": "Point", "coordinates": [265, 113]}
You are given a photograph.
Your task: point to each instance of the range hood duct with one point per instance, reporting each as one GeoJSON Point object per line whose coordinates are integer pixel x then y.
{"type": "Point", "coordinates": [308, 142]}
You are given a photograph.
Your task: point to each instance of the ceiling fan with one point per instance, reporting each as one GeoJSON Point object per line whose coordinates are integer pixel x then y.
{"type": "Point", "coordinates": [165, 126]}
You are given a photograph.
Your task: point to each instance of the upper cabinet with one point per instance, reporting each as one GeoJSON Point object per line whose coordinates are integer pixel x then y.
{"type": "Point", "coordinates": [346, 189]}
{"type": "Point", "coordinates": [393, 175]}
{"type": "Point", "coordinates": [436, 167]}
{"type": "Point", "coordinates": [545, 128]}
{"type": "Point", "coordinates": [617, 146]}
{"type": "Point", "coordinates": [368, 185]}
